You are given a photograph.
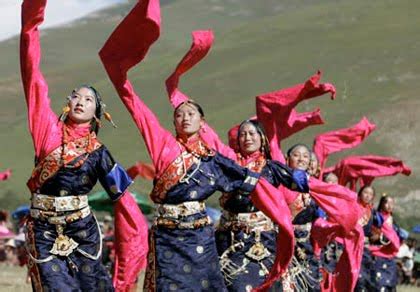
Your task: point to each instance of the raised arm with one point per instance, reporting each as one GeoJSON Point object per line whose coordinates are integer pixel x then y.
{"type": "Point", "coordinates": [201, 44]}
{"type": "Point", "coordinates": [42, 119]}
{"type": "Point", "coordinates": [126, 47]}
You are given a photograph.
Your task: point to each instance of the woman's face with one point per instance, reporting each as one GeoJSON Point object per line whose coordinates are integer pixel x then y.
{"type": "Point", "coordinates": [82, 106]}
{"type": "Point", "coordinates": [187, 120]}
{"type": "Point", "coordinates": [388, 206]}
{"type": "Point", "coordinates": [299, 158]}
{"type": "Point", "coordinates": [313, 165]}
{"type": "Point", "coordinates": [366, 196]}
{"type": "Point", "coordinates": [249, 139]}
{"type": "Point", "coordinates": [331, 179]}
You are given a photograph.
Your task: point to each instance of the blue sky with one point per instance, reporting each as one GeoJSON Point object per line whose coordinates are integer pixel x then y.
{"type": "Point", "coordinates": [58, 12]}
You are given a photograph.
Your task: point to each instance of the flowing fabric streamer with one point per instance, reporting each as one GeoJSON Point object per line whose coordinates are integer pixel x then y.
{"type": "Point", "coordinates": [272, 202]}
{"type": "Point", "coordinates": [389, 250]}
{"type": "Point", "coordinates": [275, 111]}
{"type": "Point", "coordinates": [364, 169]}
{"type": "Point", "coordinates": [131, 245]}
{"type": "Point", "coordinates": [338, 140]}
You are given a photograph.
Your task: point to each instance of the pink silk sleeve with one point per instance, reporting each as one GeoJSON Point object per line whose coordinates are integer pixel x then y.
{"type": "Point", "coordinates": [126, 47]}
{"type": "Point", "coordinates": [201, 44]}
{"type": "Point", "coordinates": [274, 110]}
{"type": "Point", "coordinates": [131, 233]}
{"type": "Point", "coordinates": [389, 250]}
{"type": "Point", "coordinates": [348, 267]}
{"type": "Point", "coordinates": [5, 175]}
{"type": "Point", "coordinates": [272, 202]}
{"type": "Point", "coordinates": [337, 201]}
{"type": "Point", "coordinates": [202, 41]}
{"type": "Point", "coordinates": [323, 232]}
{"type": "Point", "coordinates": [43, 123]}
{"type": "Point", "coordinates": [338, 140]}
{"type": "Point", "coordinates": [144, 170]}
{"type": "Point", "coordinates": [366, 168]}
{"type": "Point", "coordinates": [299, 121]}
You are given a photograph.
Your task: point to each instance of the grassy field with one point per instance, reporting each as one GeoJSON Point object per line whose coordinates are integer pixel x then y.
{"type": "Point", "coordinates": [369, 49]}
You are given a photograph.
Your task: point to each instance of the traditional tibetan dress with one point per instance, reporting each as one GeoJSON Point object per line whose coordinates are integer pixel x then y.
{"type": "Point", "coordinates": [384, 252]}
{"type": "Point", "coordinates": [246, 237]}
{"type": "Point", "coordinates": [63, 237]}
{"type": "Point", "coordinates": [367, 269]}
{"type": "Point", "coordinates": [304, 272]}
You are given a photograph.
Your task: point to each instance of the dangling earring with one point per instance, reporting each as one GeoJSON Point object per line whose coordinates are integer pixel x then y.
{"type": "Point", "coordinates": [66, 110]}
{"type": "Point", "coordinates": [109, 119]}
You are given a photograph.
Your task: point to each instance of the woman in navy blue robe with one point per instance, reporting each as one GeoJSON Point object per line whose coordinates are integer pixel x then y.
{"type": "Point", "coordinates": [64, 242]}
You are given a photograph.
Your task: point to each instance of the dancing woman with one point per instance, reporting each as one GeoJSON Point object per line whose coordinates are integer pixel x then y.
{"type": "Point", "coordinates": [246, 237]}
{"type": "Point", "coordinates": [183, 250]}
{"type": "Point", "coordinates": [365, 281]}
{"type": "Point", "coordinates": [304, 273]}
{"type": "Point", "coordinates": [63, 238]}
{"type": "Point", "coordinates": [385, 243]}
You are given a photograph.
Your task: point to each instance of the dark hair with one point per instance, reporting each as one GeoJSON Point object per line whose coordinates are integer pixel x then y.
{"type": "Point", "coordinates": [4, 215]}
{"type": "Point", "coordinates": [196, 105]}
{"type": "Point", "coordinates": [94, 126]}
{"type": "Point", "coordinates": [264, 140]}
{"type": "Point", "coordinates": [365, 187]}
{"type": "Point", "coordinates": [289, 152]}
{"type": "Point", "coordinates": [382, 201]}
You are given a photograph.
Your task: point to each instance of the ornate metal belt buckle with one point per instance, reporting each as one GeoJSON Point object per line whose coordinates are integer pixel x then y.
{"type": "Point", "coordinates": [63, 245]}
{"type": "Point", "coordinates": [258, 252]}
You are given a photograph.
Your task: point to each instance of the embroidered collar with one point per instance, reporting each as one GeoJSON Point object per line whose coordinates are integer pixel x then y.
{"type": "Point", "coordinates": [196, 146]}
{"type": "Point", "coordinates": [71, 154]}
{"type": "Point", "coordinates": [255, 161]}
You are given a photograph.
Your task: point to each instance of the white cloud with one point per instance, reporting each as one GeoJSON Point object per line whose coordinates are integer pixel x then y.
{"type": "Point", "coordinates": [58, 12]}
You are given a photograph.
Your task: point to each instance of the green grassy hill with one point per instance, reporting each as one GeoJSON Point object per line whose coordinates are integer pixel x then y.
{"type": "Point", "coordinates": [368, 49]}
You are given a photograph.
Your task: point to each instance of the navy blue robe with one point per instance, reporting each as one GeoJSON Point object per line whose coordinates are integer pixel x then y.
{"type": "Point", "coordinates": [187, 259]}
{"type": "Point", "coordinates": [76, 272]}
{"type": "Point", "coordinates": [310, 276]}
{"type": "Point", "coordinates": [255, 273]}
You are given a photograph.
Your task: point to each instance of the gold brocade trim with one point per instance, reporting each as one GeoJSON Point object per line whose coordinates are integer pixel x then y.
{"type": "Point", "coordinates": [246, 222]}
{"type": "Point", "coordinates": [176, 224]}
{"type": "Point", "coordinates": [150, 277]}
{"type": "Point", "coordinates": [33, 270]}
{"type": "Point", "coordinates": [50, 165]}
{"type": "Point", "coordinates": [175, 171]}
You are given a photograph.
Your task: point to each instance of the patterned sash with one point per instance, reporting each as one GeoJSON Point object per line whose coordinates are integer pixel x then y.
{"type": "Point", "coordinates": [74, 151]}
{"type": "Point", "coordinates": [179, 168]}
